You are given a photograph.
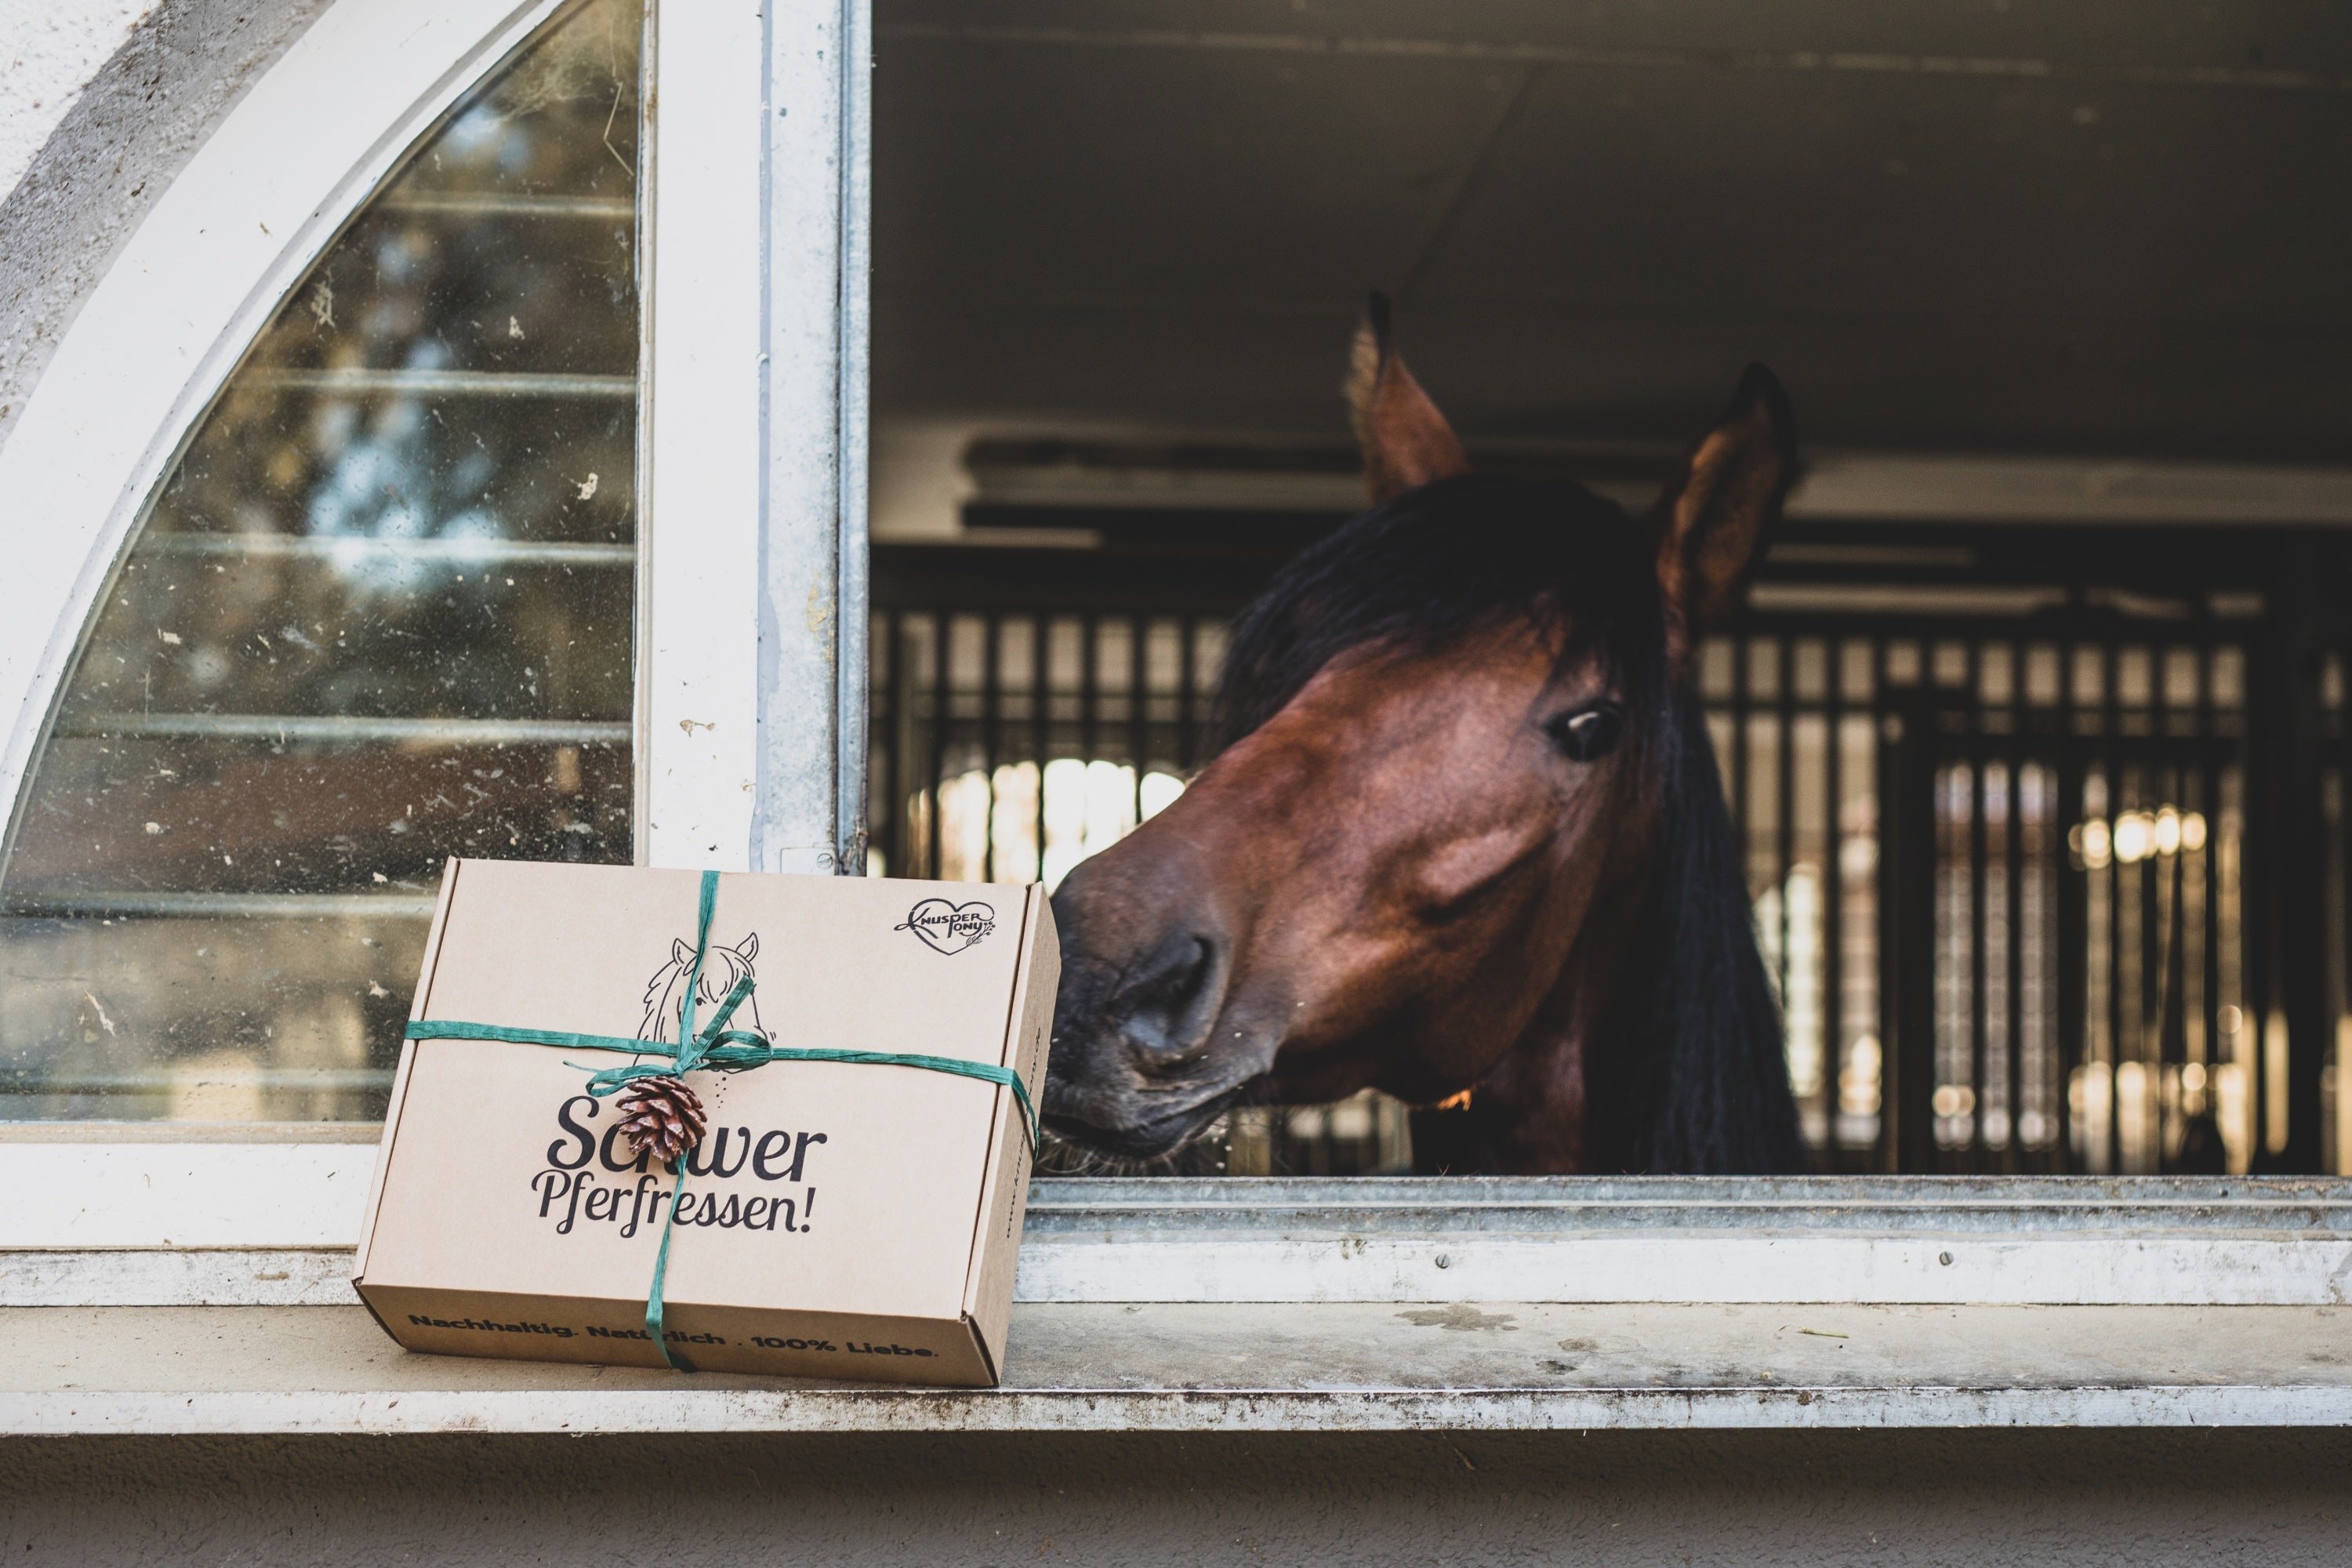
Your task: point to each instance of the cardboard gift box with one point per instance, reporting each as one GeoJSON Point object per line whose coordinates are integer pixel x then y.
{"type": "Point", "coordinates": [855, 1216]}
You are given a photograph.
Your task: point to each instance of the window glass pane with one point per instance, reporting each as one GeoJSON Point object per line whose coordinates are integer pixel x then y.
{"type": "Point", "coordinates": [378, 614]}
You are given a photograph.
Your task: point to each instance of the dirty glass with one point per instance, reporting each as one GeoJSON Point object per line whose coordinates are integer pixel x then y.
{"type": "Point", "coordinates": [380, 613]}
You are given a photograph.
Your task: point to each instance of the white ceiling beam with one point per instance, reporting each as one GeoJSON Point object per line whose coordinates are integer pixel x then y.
{"type": "Point", "coordinates": [1874, 487]}
{"type": "Point", "coordinates": [1893, 487]}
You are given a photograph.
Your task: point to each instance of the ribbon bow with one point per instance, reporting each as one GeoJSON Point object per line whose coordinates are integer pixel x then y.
{"type": "Point", "coordinates": [716, 1048]}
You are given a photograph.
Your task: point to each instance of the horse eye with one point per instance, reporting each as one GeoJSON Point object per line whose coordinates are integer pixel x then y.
{"type": "Point", "coordinates": [1588, 734]}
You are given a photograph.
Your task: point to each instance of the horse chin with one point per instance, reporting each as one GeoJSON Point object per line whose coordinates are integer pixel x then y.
{"type": "Point", "coordinates": [1159, 1137]}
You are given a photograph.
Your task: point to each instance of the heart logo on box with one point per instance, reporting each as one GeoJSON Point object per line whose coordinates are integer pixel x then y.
{"type": "Point", "coordinates": [950, 928]}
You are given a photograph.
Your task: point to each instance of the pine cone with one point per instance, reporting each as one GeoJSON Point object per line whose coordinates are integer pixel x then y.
{"type": "Point", "coordinates": [661, 1115]}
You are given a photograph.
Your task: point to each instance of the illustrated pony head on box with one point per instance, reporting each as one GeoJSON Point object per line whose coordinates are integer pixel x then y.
{"type": "Point", "coordinates": [721, 968]}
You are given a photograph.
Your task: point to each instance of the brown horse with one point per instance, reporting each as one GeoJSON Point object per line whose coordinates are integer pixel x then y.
{"type": "Point", "coordinates": [1465, 840]}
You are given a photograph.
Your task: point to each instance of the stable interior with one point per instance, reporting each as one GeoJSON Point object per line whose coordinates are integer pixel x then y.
{"type": "Point", "coordinates": [2054, 292]}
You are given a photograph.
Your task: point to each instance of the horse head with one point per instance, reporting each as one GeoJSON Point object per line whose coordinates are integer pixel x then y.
{"type": "Point", "coordinates": [1466, 835]}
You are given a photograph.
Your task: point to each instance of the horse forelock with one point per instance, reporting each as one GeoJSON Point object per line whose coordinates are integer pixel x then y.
{"type": "Point", "coordinates": [721, 968]}
{"type": "Point", "coordinates": [1433, 564]}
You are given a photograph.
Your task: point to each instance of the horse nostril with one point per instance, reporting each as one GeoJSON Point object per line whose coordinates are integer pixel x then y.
{"type": "Point", "coordinates": [1170, 1003]}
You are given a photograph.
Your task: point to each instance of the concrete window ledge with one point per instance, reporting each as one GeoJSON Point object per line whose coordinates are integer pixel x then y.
{"type": "Point", "coordinates": [1242, 1368]}
{"type": "Point", "coordinates": [1309, 1306]}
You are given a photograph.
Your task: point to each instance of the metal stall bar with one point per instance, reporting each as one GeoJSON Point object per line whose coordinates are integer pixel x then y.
{"type": "Point", "coordinates": [991, 689]}
{"type": "Point", "coordinates": [1090, 690]}
{"type": "Point", "coordinates": [2014, 823]}
{"type": "Point", "coordinates": [1041, 719]}
{"type": "Point", "coordinates": [1979, 922]}
{"type": "Point", "coordinates": [1833, 897]}
{"type": "Point", "coordinates": [900, 718]}
{"type": "Point", "coordinates": [2113, 775]}
{"type": "Point", "coordinates": [1188, 737]}
{"type": "Point", "coordinates": [2299, 828]}
{"type": "Point", "coordinates": [1742, 708]}
{"type": "Point", "coordinates": [1139, 716]}
{"type": "Point", "coordinates": [935, 768]}
{"type": "Point", "coordinates": [2209, 862]}
{"type": "Point", "coordinates": [1916, 841]}
{"type": "Point", "coordinates": [1887, 1155]}
{"type": "Point", "coordinates": [1784, 821]}
{"type": "Point", "coordinates": [2073, 902]}
{"type": "Point", "coordinates": [2338, 755]}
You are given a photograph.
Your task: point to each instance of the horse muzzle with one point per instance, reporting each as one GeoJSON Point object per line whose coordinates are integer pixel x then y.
{"type": "Point", "coordinates": [1142, 1058]}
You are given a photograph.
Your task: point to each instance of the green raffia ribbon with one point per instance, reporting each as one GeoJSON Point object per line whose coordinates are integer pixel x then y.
{"type": "Point", "coordinates": [714, 1048]}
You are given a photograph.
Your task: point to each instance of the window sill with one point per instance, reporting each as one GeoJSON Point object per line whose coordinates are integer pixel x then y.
{"type": "Point", "coordinates": [1200, 1368]}
{"type": "Point", "coordinates": [1308, 1306]}
{"type": "Point", "coordinates": [226, 1225]}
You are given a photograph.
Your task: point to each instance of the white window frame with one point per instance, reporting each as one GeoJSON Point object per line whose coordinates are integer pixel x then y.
{"type": "Point", "coordinates": [750, 612]}
{"type": "Point", "coordinates": [750, 723]}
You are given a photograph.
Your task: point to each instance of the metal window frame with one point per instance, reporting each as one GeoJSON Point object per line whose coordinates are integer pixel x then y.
{"type": "Point", "coordinates": [752, 644]}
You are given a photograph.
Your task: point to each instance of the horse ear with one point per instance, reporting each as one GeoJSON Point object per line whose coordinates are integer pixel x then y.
{"type": "Point", "coordinates": [749, 948]}
{"type": "Point", "coordinates": [1717, 520]}
{"type": "Point", "coordinates": [1405, 440]}
{"type": "Point", "coordinates": [681, 954]}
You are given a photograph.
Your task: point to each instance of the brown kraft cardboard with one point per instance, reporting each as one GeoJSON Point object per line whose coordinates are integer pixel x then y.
{"type": "Point", "coordinates": [838, 1220]}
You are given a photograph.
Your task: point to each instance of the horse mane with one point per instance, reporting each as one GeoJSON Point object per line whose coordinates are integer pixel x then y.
{"type": "Point", "coordinates": [1697, 1053]}
{"type": "Point", "coordinates": [1694, 1078]}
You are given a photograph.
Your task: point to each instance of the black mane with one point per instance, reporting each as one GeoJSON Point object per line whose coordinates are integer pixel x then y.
{"type": "Point", "coordinates": [1433, 564]}
{"type": "Point", "coordinates": [1696, 1057]}
{"type": "Point", "coordinates": [1692, 1077]}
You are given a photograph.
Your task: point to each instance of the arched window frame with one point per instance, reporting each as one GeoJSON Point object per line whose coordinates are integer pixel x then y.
{"type": "Point", "coordinates": [748, 722]}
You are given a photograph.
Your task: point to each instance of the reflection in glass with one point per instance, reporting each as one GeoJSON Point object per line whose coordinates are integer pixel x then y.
{"type": "Point", "coordinates": [378, 615]}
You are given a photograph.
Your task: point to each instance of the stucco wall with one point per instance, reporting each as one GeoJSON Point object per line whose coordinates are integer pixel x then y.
{"type": "Point", "coordinates": [1992, 1498]}
{"type": "Point", "coordinates": [49, 51]}
{"type": "Point", "coordinates": [131, 128]}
